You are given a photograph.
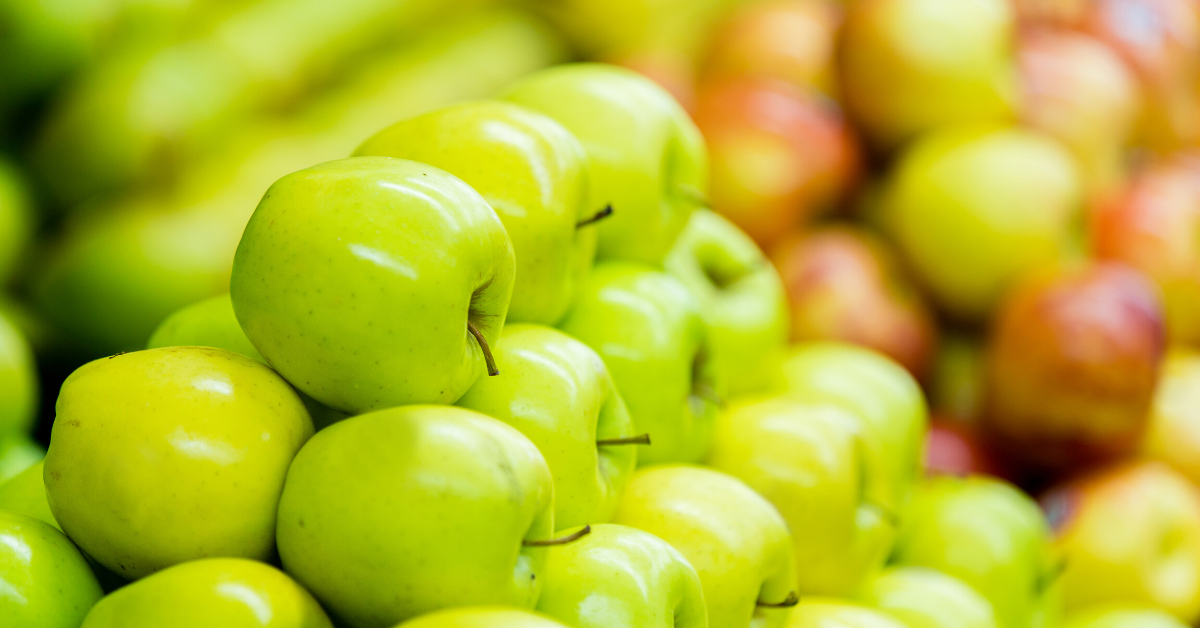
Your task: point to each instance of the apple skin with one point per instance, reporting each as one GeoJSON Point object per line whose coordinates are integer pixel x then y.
{"type": "Point", "coordinates": [646, 158]}
{"type": "Point", "coordinates": [741, 298]}
{"type": "Point", "coordinates": [357, 280]}
{"type": "Point", "coordinates": [736, 540]}
{"type": "Point", "coordinates": [482, 617]}
{"type": "Point", "coordinates": [781, 155]}
{"type": "Point", "coordinates": [843, 284]}
{"type": "Point", "coordinates": [167, 455]}
{"type": "Point", "coordinates": [956, 448]}
{"type": "Point", "coordinates": [651, 333]}
{"type": "Point", "coordinates": [928, 598]}
{"type": "Point", "coordinates": [18, 381]}
{"type": "Point", "coordinates": [806, 458]}
{"type": "Point", "coordinates": [557, 392]}
{"type": "Point", "coordinates": [529, 169]}
{"type": "Point", "coordinates": [1072, 364]}
{"type": "Point", "coordinates": [25, 493]}
{"type": "Point", "coordinates": [1173, 433]}
{"type": "Point", "coordinates": [47, 582]}
{"type": "Point", "coordinates": [836, 613]}
{"type": "Point", "coordinates": [621, 576]}
{"type": "Point", "coordinates": [1129, 533]}
{"type": "Point", "coordinates": [18, 453]}
{"type": "Point", "coordinates": [404, 511]}
{"type": "Point", "coordinates": [210, 592]}
{"type": "Point", "coordinates": [786, 40]}
{"type": "Point", "coordinates": [972, 209]}
{"type": "Point", "coordinates": [1122, 616]}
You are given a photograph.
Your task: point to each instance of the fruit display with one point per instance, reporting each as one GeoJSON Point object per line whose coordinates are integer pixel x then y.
{"type": "Point", "coordinates": [600, 314]}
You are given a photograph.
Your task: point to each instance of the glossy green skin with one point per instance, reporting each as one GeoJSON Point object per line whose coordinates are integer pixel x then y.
{"type": "Point", "coordinates": [16, 221]}
{"type": "Point", "coordinates": [621, 576]}
{"type": "Point", "coordinates": [225, 592]}
{"type": "Point", "coordinates": [17, 454]}
{"type": "Point", "coordinates": [991, 536]}
{"type": "Point", "coordinates": [648, 328]}
{"type": "Point", "coordinates": [557, 392]}
{"type": "Point", "coordinates": [646, 157]}
{"type": "Point", "coordinates": [26, 493]}
{"type": "Point", "coordinates": [973, 209]}
{"type": "Point", "coordinates": [408, 510]}
{"type": "Point", "coordinates": [831, 613]}
{"type": "Point", "coordinates": [356, 279]}
{"type": "Point", "coordinates": [804, 457]}
{"type": "Point", "coordinates": [1122, 617]}
{"type": "Point", "coordinates": [45, 582]}
{"type": "Point", "coordinates": [532, 171]}
{"type": "Point", "coordinates": [927, 598]}
{"type": "Point", "coordinates": [741, 296]}
{"type": "Point", "coordinates": [18, 381]}
{"type": "Point", "coordinates": [482, 617]}
{"type": "Point", "coordinates": [735, 539]}
{"type": "Point", "coordinates": [167, 455]}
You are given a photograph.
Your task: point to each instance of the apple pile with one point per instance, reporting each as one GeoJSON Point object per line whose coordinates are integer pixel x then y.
{"type": "Point", "coordinates": [581, 314]}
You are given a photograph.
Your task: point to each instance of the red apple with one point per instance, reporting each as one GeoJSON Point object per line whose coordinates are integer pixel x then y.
{"type": "Point", "coordinates": [843, 284]}
{"type": "Point", "coordinates": [673, 70]}
{"type": "Point", "coordinates": [789, 40]}
{"type": "Point", "coordinates": [1072, 366]}
{"type": "Point", "coordinates": [955, 448]}
{"type": "Point", "coordinates": [1049, 12]}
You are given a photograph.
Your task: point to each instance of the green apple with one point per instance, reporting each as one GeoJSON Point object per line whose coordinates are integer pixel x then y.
{"type": "Point", "coordinates": [1108, 616]}
{"type": "Point", "coordinates": [167, 455]}
{"type": "Point", "coordinates": [557, 392]}
{"type": "Point", "coordinates": [834, 613]}
{"type": "Point", "coordinates": [740, 295]}
{"type": "Point", "coordinates": [482, 617]}
{"type": "Point", "coordinates": [927, 598]}
{"type": "Point", "coordinates": [44, 581]}
{"type": "Point", "coordinates": [404, 511]}
{"type": "Point", "coordinates": [991, 536]}
{"type": "Point", "coordinates": [650, 331]}
{"type": "Point", "coordinates": [227, 592]}
{"type": "Point", "coordinates": [25, 493]}
{"type": "Point", "coordinates": [1173, 433]}
{"type": "Point", "coordinates": [532, 171]}
{"type": "Point", "coordinates": [16, 219]}
{"type": "Point", "coordinates": [646, 158]}
{"type": "Point", "coordinates": [373, 282]}
{"type": "Point", "coordinates": [805, 458]}
{"type": "Point", "coordinates": [736, 540]}
{"type": "Point", "coordinates": [18, 381]}
{"type": "Point", "coordinates": [621, 576]}
{"type": "Point", "coordinates": [18, 453]}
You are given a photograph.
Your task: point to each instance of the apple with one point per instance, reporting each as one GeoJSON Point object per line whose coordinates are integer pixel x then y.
{"type": "Point", "coordinates": [621, 576]}
{"type": "Point", "coordinates": [25, 493]}
{"type": "Point", "coordinates": [927, 598]}
{"type": "Point", "coordinates": [18, 453]}
{"type": "Point", "coordinates": [787, 40]}
{"type": "Point", "coordinates": [646, 158]}
{"type": "Point", "coordinates": [404, 511]}
{"type": "Point", "coordinates": [210, 592]}
{"type": "Point", "coordinates": [836, 613]}
{"type": "Point", "coordinates": [482, 617]}
{"type": "Point", "coordinates": [47, 582]}
{"type": "Point", "coordinates": [956, 385]}
{"type": "Point", "coordinates": [167, 455]}
{"type": "Point", "coordinates": [740, 296]}
{"type": "Point", "coordinates": [1121, 616]}
{"type": "Point", "coordinates": [557, 392]}
{"type": "Point", "coordinates": [957, 448]}
{"type": "Point", "coordinates": [372, 282]}
{"type": "Point", "coordinates": [807, 459]}
{"type": "Point", "coordinates": [736, 540]}
{"type": "Point", "coordinates": [16, 217]}
{"type": "Point", "coordinates": [1072, 364]}
{"type": "Point", "coordinates": [1173, 433]}
{"type": "Point", "coordinates": [670, 68]}
{"type": "Point", "coordinates": [1129, 533]}
{"type": "Point", "coordinates": [533, 172]}
{"type": "Point", "coordinates": [908, 67]}
{"type": "Point", "coordinates": [973, 209]}
{"type": "Point", "coordinates": [18, 381]}
{"type": "Point", "coordinates": [1049, 13]}
{"type": "Point", "coordinates": [781, 155]}
{"type": "Point", "coordinates": [844, 284]}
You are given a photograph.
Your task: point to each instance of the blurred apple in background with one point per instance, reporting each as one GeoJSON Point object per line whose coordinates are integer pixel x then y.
{"type": "Point", "coordinates": [956, 448]}
{"type": "Point", "coordinates": [956, 386]}
{"type": "Point", "coordinates": [835, 613]}
{"type": "Point", "coordinates": [1173, 435]}
{"type": "Point", "coordinates": [1130, 534]}
{"type": "Point", "coordinates": [1049, 12]}
{"type": "Point", "coordinates": [779, 154]}
{"type": "Point", "coordinates": [16, 219]}
{"type": "Point", "coordinates": [1122, 616]}
{"type": "Point", "coordinates": [928, 598]}
{"type": "Point", "coordinates": [1072, 365]}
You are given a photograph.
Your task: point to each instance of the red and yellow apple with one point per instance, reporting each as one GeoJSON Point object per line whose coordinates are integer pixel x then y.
{"type": "Point", "coordinates": [788, 40]}
{"type": "Point", "coordinates": [1173, 435]}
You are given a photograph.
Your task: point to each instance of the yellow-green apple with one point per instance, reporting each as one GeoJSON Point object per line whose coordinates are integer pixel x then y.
{"type": "Point", "coordinates": [650, 331]}
{"type": "Point", "coordinates": [18, 381]}
{"type": "Point", "coordinates": [16, 217]}
{"type": "Point", "coordinates": [1173, 432]}
{"type": "Point", "coordinates": [557, 392]}
{"type": "Point", "coordinates": [787, 40]}
{"type": "Point", "coordinates": [622, 576]}
{"type": "Point", "coordinates": [912, 66]}
{"type": "Point", "coordinates": [1122, 616]}
{"type": "Point", "coordinates": [404, 511]}
{"type": "Point", "coordinates": [1129, 533]}
{"type": "Point", "coordinates": [167, 455]}
{"type": "Point", "coordinates": [736, 540]}
{"type": "Point", "coordinates": [806, 458]}
{"type": "Point", "coordinates": [843, 284]}
{"type": "Point", "coordinates": [991, 536]}
{"type": "Point", "coordinates": [373, 282]}
{"type": "Point", "coordinates": [740, 295]}
{"type": "Point", "coordinates": [231, 592]}
{"type": "Point", "coordinates": [927, 598]}
{"type": "Point", "coordinates": [482, 617]}
{"type": "Point", "coordinates": [46, 582]}
{"type": "Point", "coordinates": [1072, 364]}
{"type": "Point", "coordinates": [781, 154]}
{"type": "Point", "coordinates": [25, 493]}
{"type": "Point", "coordinates": [973, 209]}
{"type": "Point", "coordinates": [17, 454]}
{"type": "Point", "coordinates": [533, 172]}
{"type": "Point", "coordinates": [838, 613]}
{"type": "Point", "coordinates": [645, 156]}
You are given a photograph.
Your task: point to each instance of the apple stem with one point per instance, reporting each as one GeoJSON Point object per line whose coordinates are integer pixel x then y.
{"type": "Point", "coordinates": [640, 439]}
{"type": "Point", "coordinates": [487, 351]}
{"type": "Point", "coordinates": [600, 215]}
{"type": "Point", "coordinates": [704, 391]}
{"type": "Point", "coordinates": [574, 536]}
{"type": "Point", "coordinates": [791, 600]}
